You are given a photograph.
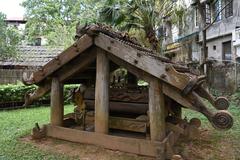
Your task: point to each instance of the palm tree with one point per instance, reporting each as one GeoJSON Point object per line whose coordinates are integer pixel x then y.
{"type": "Point", "coordinates": [134, 14]}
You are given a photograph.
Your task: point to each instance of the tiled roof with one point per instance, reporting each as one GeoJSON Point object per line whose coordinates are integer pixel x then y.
{"type": "Point", "coordinates": [33, 56]}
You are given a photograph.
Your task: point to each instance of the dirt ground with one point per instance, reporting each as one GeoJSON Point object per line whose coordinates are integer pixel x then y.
{"type": "Point", "coordinates": [83, 151]}
{"type": "Point", "coordinates": [203, 148]}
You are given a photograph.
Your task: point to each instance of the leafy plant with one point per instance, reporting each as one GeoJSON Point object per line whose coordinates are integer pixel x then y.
{"type": "Point", "coordinates": [15, 93]}
{"type": "Point", "coordinates": [9, 39]}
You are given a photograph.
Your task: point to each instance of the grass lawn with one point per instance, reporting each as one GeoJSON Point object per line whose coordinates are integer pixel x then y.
{"type": "Point", "coordinates": [18, 123]}
{"type": "Point", "coordinates": [212, 145]}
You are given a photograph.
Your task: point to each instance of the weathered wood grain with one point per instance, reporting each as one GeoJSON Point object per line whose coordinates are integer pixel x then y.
{"type": "Point", "coordinates": [56, 117]}
{"type": "Point", "coordinates": [157, 111]}
{"type": "Point", "coordinates": [77, 65]}
{"type": "Point", "coordinates": [168, 90]}
{"type": "Point", "coordinates": [142, 61]}
{"type": "Point", "coordinates": [102, 93]}
{"type": "Point", "coordinates": [125, 144]}
{"type": "Point", "coordinates": [81, 45]}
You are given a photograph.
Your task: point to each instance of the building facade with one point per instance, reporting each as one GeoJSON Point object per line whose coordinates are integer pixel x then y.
{"type": "Point", "coordinates": [222, 41]}
{"type": "Point", "coordinates": [223, 35]}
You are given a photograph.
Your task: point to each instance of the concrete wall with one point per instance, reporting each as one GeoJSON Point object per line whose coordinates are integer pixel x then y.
{"type": "Point", "coordinates": [218, 30]}
{"type": "Point", "coordinates": [218, 42]}
{"type": "Point", "coordinates": [224, 77]}
{"type": "Point", "coordinates": [226, 25]}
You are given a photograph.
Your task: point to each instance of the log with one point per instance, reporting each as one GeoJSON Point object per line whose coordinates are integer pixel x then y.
{"type": "Point", "coordinates": [56, 102]}
{"type": "Point", "coordinates": [122, 107]}
{"type": "Point", "coordinates": [125, 144]}
{"type": "Point", "coordinates": [102, 93]}
{"type": "Point", "coordinates": [156, 111]}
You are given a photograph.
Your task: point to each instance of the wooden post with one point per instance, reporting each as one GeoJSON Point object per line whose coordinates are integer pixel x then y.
{"type": "Point", "coordinates": [156, 111]}
{"type": "Point", "coordinates": [102, 93]}
{"type": "Point", "coordinates": [157, 115]}
{"type": "Point", "coordinates": [56, 103]}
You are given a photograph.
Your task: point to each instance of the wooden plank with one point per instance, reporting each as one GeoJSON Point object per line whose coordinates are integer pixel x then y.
{"type": "Point", "coordinates": [120, 123]}
{"type": "Point", "coordinates": [122, 107]}
{"type": "Point", "coordinates": [67, 55]}
{"type": "Point", "coordinates": [128, 124]}
{"type": "Point", "coordinates": [145, 62]}
{"type": "Point", "coordinates": [56, 102]}
{"type": "Point", "coordinates": [125, 144]}
{"type": "Point", "coordinates": [156, 111]}
{"type": "Point", "coordinates": [122, 95]}
{"type": "Point", "coordinates": [175, 94]}
{"type": "Point", "coordinates": [76, 65]}
{"type": "Point", "coordinates": [102, 93]}
{"type": "Point", "coordinates": [134, 70]}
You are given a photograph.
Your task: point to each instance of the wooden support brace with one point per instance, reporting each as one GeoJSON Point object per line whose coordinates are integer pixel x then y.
{"type": "Point", "coordinates": [157, 114]}
{"type": "Point", "coordinates": [102, 93]}
{"type": "Point", "coordinates": [156, 111]}
{"type": "Point", "coordinates": [125, 144]}
{"type": "Point", "coordinates": [56, 103]}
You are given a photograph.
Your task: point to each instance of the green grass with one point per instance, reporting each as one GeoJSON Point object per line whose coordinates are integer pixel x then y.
{"type": "Point", "coordinates": [15, 124]}
{"type": "Point", "coordinates": [222, 144]}
{"type": "Point", "coordinates": [18, 123]}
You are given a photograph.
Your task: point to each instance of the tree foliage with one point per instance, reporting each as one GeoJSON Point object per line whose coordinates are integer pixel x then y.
{"type": "Point", "coordinates": [56, 19]}
{"type": "Point", "coordinates": [142, 15]}
{"type": "Point", "coordinates": [133, 14]}
{"type": "Point", "coordinates": [9, 39]}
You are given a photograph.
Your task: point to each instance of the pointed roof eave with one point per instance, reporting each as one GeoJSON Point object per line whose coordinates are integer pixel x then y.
{"type": "Point", "coordinates": [67, 55]}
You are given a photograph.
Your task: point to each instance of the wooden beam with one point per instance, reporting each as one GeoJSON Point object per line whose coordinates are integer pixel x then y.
{"type": "Point", "coordinates": [42, 89]}
{"type": "Point", "coordinates": [56, 102]}
{"type": "Point", "coordinates": [120, 123]}
{"type": "Point", "coordinates": [128, 124]}
{"type": "Point", "coordinates": [76, 65]}
{"type": "Point", "coordinates": [175, 94]}
{"type": "Point", "coordinates": [134, 70]}
{"type": "Point", "coordinates": [67, 55]}
{"type": "Point", "coordinates": [125, 144]}
{"type": "Point", "coordinates": [146, 62]}
{"type": "Point", "coordinates": [102, 93]}
{"type": "Point", "coordinates": [122, 107]}
{"type": "Point", "coordinates": [156, 111]}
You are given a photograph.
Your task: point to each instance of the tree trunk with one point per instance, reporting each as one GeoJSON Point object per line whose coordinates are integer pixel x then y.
{"type": "Point", "coordinates": [201, 9]}
{"type": "Point", "coordinates": [151, 36]}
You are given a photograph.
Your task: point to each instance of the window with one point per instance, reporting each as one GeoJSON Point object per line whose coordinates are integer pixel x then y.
{"type": "Point", "coordinates": [227, 51]}
{"type": "Point", "coordinates": [229, 8]}
{"type": "Point", "coordinates": [208, 13]}
{"type": "Point", "coordinates": [196, 18]}
{"type": "Point", "coordinates": [214, 47]}
{"type": "Point", "coordinates": [217, 5]}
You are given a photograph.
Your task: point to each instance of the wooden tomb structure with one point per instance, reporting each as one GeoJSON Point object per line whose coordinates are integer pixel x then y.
{"type": "Point", "coordinates": [141, 120]}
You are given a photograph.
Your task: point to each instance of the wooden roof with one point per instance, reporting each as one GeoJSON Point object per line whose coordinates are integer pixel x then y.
{"type": "Point", "coordinates": [84, 51]}
{"type": "Point", "coordinates": [32, 56]}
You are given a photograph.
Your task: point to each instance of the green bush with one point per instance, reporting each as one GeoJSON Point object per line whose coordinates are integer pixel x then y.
{"type": "Point", "coordinates": [15, 93]}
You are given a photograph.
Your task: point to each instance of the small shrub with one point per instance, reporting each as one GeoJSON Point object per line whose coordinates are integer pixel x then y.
{"type": "Point", "coordinates": [15, 93]}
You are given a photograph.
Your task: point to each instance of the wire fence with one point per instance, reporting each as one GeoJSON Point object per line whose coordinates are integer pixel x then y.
{"type": "Point", "coordinates": [13, 76]}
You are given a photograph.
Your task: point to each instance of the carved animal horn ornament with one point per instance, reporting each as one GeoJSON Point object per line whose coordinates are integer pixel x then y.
{"type": "Point", "coordinates": [27, 80]}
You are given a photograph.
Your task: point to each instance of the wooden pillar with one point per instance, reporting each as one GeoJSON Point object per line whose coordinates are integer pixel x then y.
{"type": "Point", "coordinates": [157, 114]}
{"type": "Point", "coordinates": [156, 111]}
{"type": "Point", "coordinates": [56, 102]}
{"type": "Point", "coordinates": [102, 93]}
